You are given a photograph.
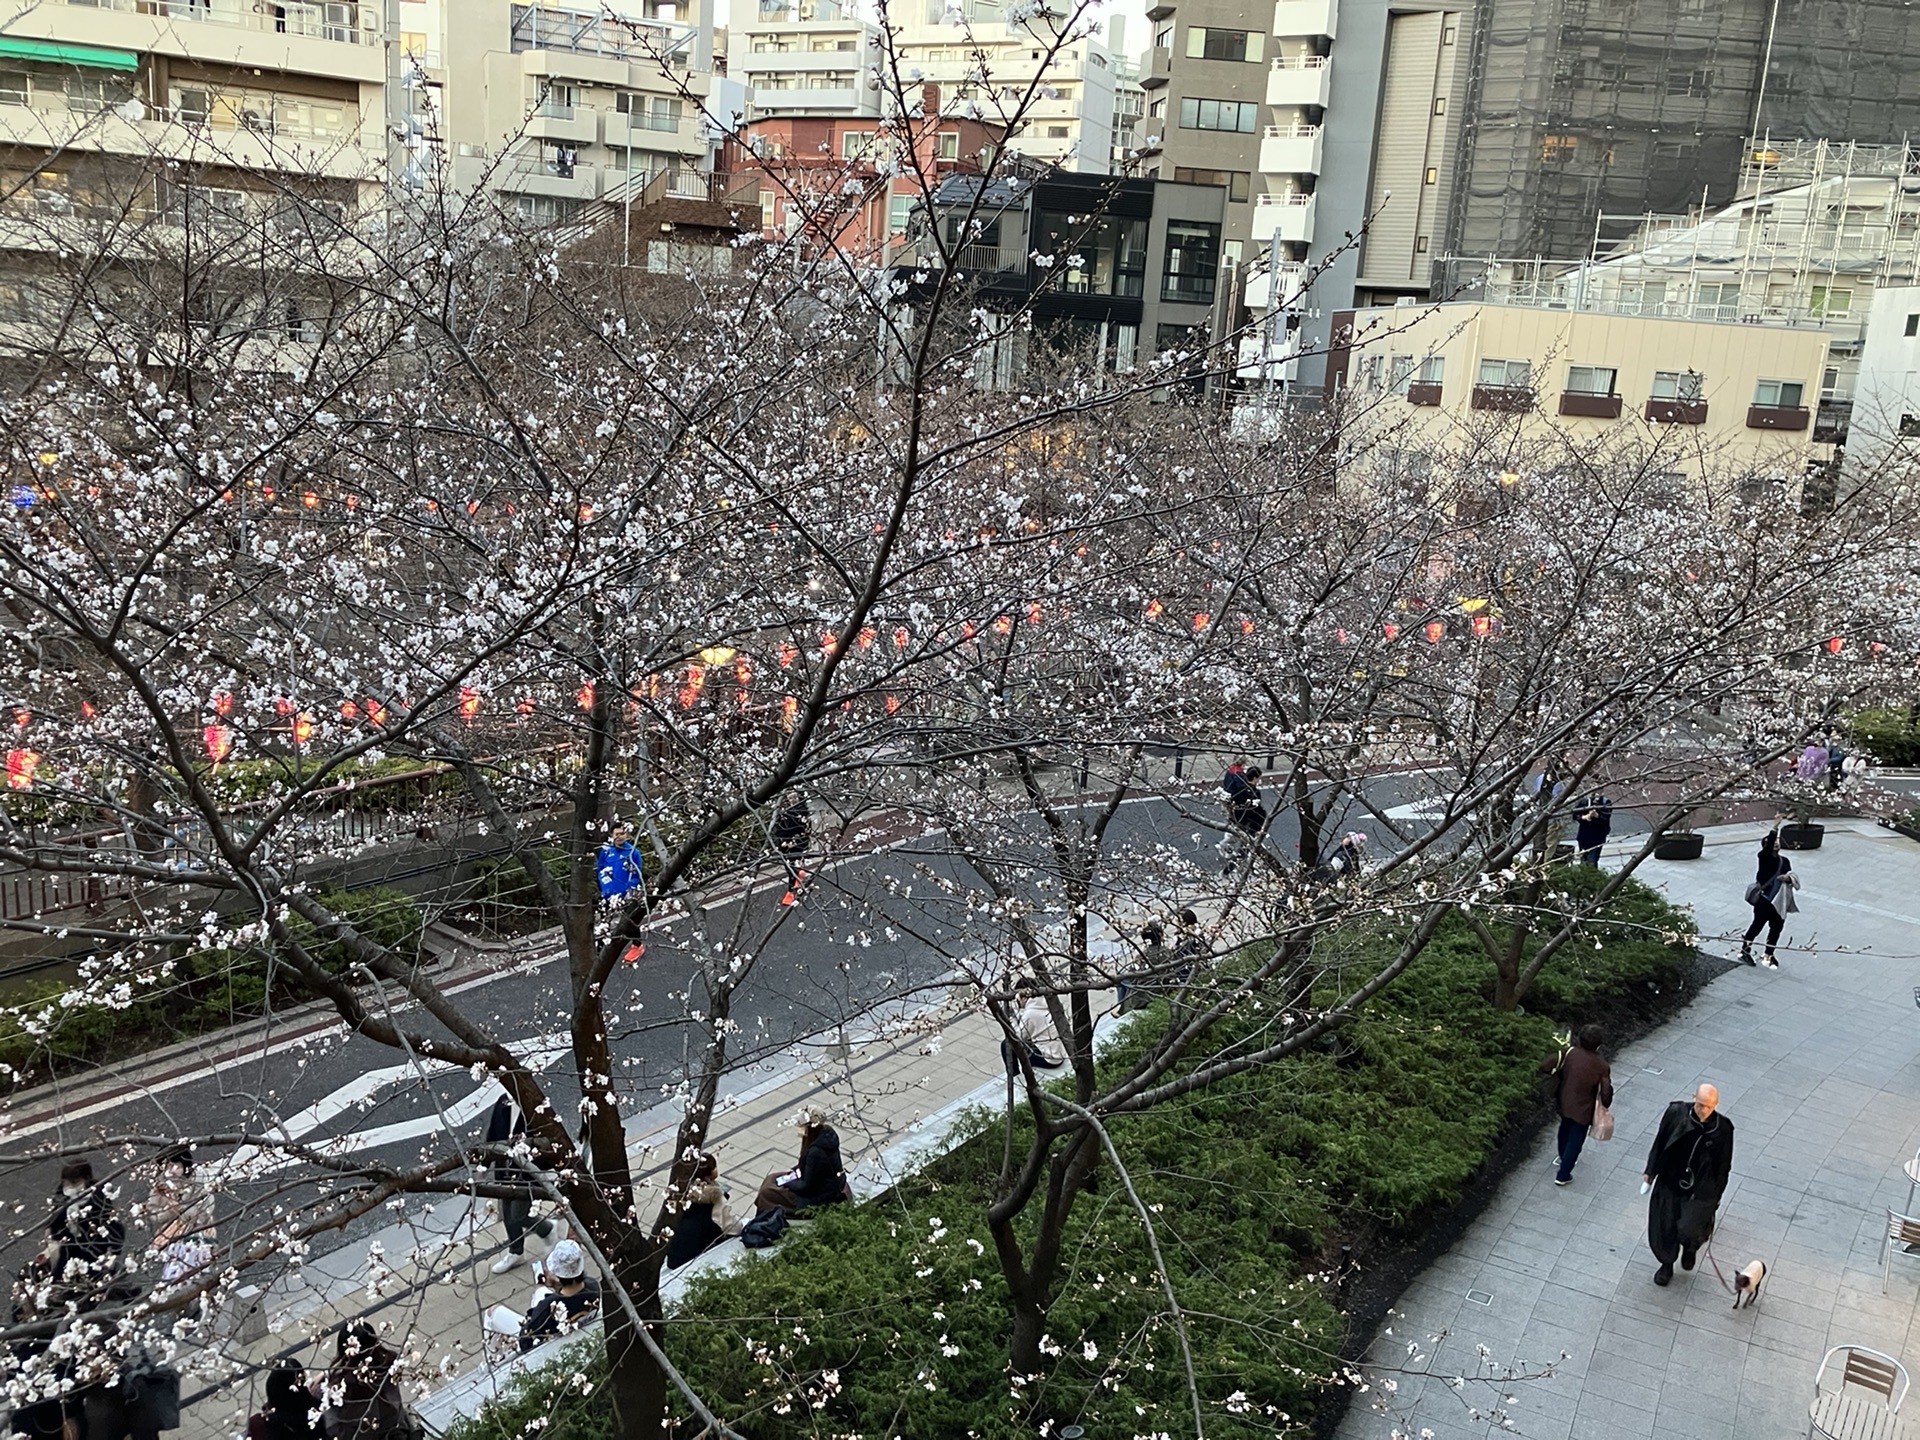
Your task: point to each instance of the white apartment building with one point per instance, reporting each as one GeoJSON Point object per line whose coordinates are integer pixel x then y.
{"type": "Point", "coordinates": [820, 57]}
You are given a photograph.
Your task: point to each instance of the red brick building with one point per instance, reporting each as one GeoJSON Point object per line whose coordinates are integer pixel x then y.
{"type": "Point", "coordinates": [850, 180]}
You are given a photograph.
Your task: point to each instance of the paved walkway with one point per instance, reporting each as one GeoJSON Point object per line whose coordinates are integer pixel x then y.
{"type": "Point", "coordinates": [1818, 1066]}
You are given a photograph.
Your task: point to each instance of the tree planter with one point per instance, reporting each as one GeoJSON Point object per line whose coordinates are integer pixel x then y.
{"type": "Point", "coordinates": [1563, 852]}
{"type": "Point", "coordinates": [1804, 836]}
{"type": "Point", "coordinates": [1687, 845]}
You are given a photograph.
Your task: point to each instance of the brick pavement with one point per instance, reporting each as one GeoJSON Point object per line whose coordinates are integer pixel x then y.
{"type": "Point", "coordinates": [1818, 1066]}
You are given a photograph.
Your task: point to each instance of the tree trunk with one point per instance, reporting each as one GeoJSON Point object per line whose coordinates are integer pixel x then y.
{"type": "Point", "coordinates": [1506, 986]}
{"type": "Point", "coordinates": [636, 1384]}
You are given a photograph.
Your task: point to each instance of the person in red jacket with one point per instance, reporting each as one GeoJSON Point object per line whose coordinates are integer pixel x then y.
{"type": "Point", "coordinates": [1583, 1080]}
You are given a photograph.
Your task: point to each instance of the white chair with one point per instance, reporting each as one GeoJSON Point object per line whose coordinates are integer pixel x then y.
{"type": "Point", "coordinates": [1902, 1239]}
{"type": "Point", "coordinates": [1912, 1167]}
{"type": "Point", "coordinates": [1864, 1403]}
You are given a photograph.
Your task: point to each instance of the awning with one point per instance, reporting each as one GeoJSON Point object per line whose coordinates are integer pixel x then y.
{"type": "Point", "coordinates": [59, 52]}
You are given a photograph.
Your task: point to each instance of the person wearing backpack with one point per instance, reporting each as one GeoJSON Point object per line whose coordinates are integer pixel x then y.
{"type": "Point", "coordinates": [1772, 875]}
{"type": "Point", "coordinates": [1583, 1091]}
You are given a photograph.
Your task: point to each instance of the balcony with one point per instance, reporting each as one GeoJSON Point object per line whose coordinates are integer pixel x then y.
{"type": "Point", "coordinates": [1288, 216]}
{"type": "Point", "coordinates": [1305, 17]}
{"type": "Point", "coordinates": [1424, 392]}
{"type": "Point", "coordinates": [572, 124]}
{"type": "Point", "coordinates": [1504, 399]}
{"type": "Point", "coordinates": [1832, 420]}
{"type": "Point", "coordinates": [1299, 80]}
{"type": "Point", "coordinates": [342, 21]}
{"type": "Point", "coordinates": [1588, 406]}
{"type": "Point", "coordinates": [1159, 68]}
{"type": "Point", "coordinates": [1290, 150]}
{"type": "Point", "coordinates": [1676, 412]}
{"type": "Point", "coordinates": [1287, 288]}
{"type": "Point", "coordinates": [1792, 418]}
{"type": "Point", "coordinates": [647, 131]}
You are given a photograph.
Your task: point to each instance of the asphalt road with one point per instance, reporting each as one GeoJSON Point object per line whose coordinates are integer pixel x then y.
{"type": "Point", "coordinates": [868, 931]}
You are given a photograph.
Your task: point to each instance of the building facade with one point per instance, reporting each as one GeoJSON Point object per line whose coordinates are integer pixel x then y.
{"type": "Point", "coordinates": [1886, 405]}
{"type": "Point", "coordinates": [1704, 398]}
{"type": "Point", "coordinates": [1205, 78]}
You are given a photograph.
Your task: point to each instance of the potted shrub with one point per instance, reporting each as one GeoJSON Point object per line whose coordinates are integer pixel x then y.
{"type": "Point", "coordinates": [1680, 843]}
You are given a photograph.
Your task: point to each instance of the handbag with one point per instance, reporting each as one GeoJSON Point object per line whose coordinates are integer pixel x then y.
{"type": "Point", "coordinates": [1602, 1127]}
{"type": "Point", "coordinates": [1756, 893]}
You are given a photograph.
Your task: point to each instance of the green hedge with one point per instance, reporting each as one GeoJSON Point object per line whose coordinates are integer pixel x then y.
{"type": "Point", "coordinates": [1887, 735]}
{"type": "Point", "coordinates": [889, 1318]}
{"type": "Point", "coordinates": [47, 1027]}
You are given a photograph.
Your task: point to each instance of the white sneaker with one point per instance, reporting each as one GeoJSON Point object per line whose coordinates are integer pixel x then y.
{"type": "Point", "coordinates": [506, 1262]}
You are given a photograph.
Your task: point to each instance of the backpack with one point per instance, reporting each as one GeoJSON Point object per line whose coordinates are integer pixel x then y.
{"type": "Point", "coordinates": [763, 1229]}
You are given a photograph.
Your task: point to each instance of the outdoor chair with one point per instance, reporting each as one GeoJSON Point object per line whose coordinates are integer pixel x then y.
{"type": "Point", "coordinates": [1902, 1240]}
{"type": "Point", "coordinates": [1864, 1403]}
{"type": "Point", "coordinates": [1912, 1167]}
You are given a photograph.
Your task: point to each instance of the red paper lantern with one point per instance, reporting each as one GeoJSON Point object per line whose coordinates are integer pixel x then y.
{"type": "Point", "coordinates": [1033, 612]}
{"type": "Point", "coordinates": [900, 638]}
{"type": "Point", "coordinates": [1434, 630]}
{"type": "Point", "coordinates": [1154, 609]}
{"type": "Point", "coordinates": [20, 767]}
{"type": "Point", "coordinates": [302, 728]}
{"type": "Point", "coordinates": [1003, 624]}
{"type": "Point", "coordinates": [349, 711]}
{"type": "Point", "coordinates": [376, 712]}
{"type": "Point", "coordinates": [893, 704]}
{"type": "Point", "coordinates": [311, 500]}
{"type": "Point", "coordinates": [21, 716]}
{"type": "Point", "coordinates": [1483, 624]}
{"type": "Point", "coordinates": [788, 706]}
{"type": "Point", "coordinates": [1835, 644]}
{"type": "Point", "coordinates": [223, 704]}
{"type": "Point", "coordinates": [469, 703]}
{"type": "Point", "coordinates": [788, 654]}
{"type": "Point", "coordinates": [1201, 620]}
{"type": "Point", "coordinates": [696, 682]}
{"type": "Point", "coordinates": [867, 633]}
{"type": "Point", "coordinates": [525, 707]}
{"type": "Point", "coordinates": [583, 697]}
{"type": "Point", "coordinates": [219, 742]}
{"type": "Point", "coordinates": [1390, 630]}
{"type": "Point", "coordinates": [828, 641]}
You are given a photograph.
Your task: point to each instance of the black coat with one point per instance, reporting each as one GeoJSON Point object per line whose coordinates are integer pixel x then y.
{"type": "Point", "coordinates": [822, 1180]}
{"type": "Point", "coordinates": [1694, 1159]}
{"type": "Point", "coordinates": [506, 1122]}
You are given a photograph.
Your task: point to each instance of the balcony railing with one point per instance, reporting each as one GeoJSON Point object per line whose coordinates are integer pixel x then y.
{"type": "Point", "coordinates": [1300, 62]}
{"type": "Point", "coordinates": [664, 123]}
{"type": "Point", "coordinates": [1589, 405]}
{"type": "Point", "coordinates": [346, 21]}
{"type": "Point", "coordinates": [1779, 417]}
{"type": "Point", "coordinates": [1676, 412]}
{"type": "Point", "coordinates": [1507, 399]}
{"type": "Point", "coordinates": [587, 31]}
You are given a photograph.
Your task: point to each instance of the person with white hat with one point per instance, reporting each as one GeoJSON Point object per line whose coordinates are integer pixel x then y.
{"type": "Point", "coordinates": [567, 1299]}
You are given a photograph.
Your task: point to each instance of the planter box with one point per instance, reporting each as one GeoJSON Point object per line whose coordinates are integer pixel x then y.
{"type": "Point", "coordinates": [1802, 837]}
{"type": "Point", "coordinates": [1677, 412]}
{"type": "Point", "coordinates": [1686, 845]}
{"type": "Point", "coordinates": [1509, 399]}
{"type": "Point", "coordinates": [1778, 417]}
{"type": "Point", "coordinates": [1423, 392]}
{"type": "Point", "coordinates": [1593, 407]}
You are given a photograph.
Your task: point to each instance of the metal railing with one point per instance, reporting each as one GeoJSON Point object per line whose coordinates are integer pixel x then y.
{"type": "Point", "coordinates": [1301, 62]}
{"type": "Point", "coordinates": [346, 21]}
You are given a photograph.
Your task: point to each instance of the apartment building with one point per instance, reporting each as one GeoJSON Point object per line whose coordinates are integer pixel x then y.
{"type": "Point", "coordinates": [1205, 80]}
{"type": "Point", "coordinates": [818, 57]}
{"type": "Point", "coordinates": [556, 107]}
{"type": "Point", "coordinates": [847, 182]}
{"type": "Point", "coordinates": [1702, 397]}
{"type": "Point", "coordinates": [1114, 270]}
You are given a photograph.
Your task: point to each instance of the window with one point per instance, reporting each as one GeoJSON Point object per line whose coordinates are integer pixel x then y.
{"type": "Point", "coordinates": [1515, 374]}
{"type": "Point", "coordinates": [1718, 302]}
{"type": "Point", "coordinates": [90, 94]}
{"type": "Point", "coordinates": [1419, 244]}
{"type": "Point", "coordinates": [1238, 183]}
{"type": "Point", "coordinates": [1095, 254]}
{"type": "Point", "coordinates": [1193, 262]}
{"type": "Point", "coordinates": [1440, 105]}
{"type": "Point", "coordinates": [1558, 148]}
{"type": "Point", "coordinates": [1399, 373]}
{"type": "Point", "coordinates": [16, 87]}
{"type": "Point", "coordinates": [1163, 36]}
{"type": "Point", "coordinates": [1433, 370]}
{"type": "Point", "coordinates": [1778, 394]}
{"type": "Point", "coordinates": [1210, 44]}
{"type": "Point", "coordinates": [1829, 301]}
{"type": "Point", "coordinates": [899, 213]}
{"type": "Point", "coordinates": [1157, 110]}
{"type": "Point", "coordinates": [1240, 115]}
{"type": "Point", "coordinates": [856, 144]}
{"type": "Point", "coordinates": [1058, 132]}
{"type": "Point", "coordinates": [1678, 384]}
{"type": "Point", "coordinates": [1590, 380]}
{"type": "Point", "coordinates": [1913, 325]}
{"type": "Point", "coordinates": [1450, 35]}
{"type": "Point", "coordinates": [948, 145]}
{"type": "Point", "coordinates": [1433, 175]}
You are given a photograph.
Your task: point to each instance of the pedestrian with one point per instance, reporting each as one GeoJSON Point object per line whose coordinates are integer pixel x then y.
{"type": "Point", "coordinates": [1773, 878]}
{"type": "Point", "coordinates": [1836, 762]}
{"type": "Point", "coordinates": [1813, 762]}
{"type": "Point", "coordinates": [816, 1179]}
{"type": "Point", "coordinates": [361, 1394]}
{"type": "Point", "coordinates": [706, 1219]}
{"type": "Point", "coordinates": [1349, 859]}
{"type": "Point", "coordinates": [1190, 947]}
{"type": "Point", "coordinates": [1032, 1021]}
{"type": "Point", "coordinates": [181, 1213]}
{"type": "Point", "coordinates": [506, 1127]}
{"type": "Point", "coordinates": [793, 828]}
{"type": "Point", "coordinates": [567, 1299]}
{"type": "Point", "coordinates": [1593, 823]}
{"type": "Point", "coordinates": [618, 864]}
{"type": "Point", "coordinates": [1246, 810]}
{"type": "Point", "coordinates": [289, 1411]}
{"type": "Point", "coordinates": [84, 1236]}
{"type": "Point", "coordinates": [1131, 991]}
{"type": "Point", "coordinates": [1687, 1169]}
{"type": "Point", "coordinates": [1583, 1084]}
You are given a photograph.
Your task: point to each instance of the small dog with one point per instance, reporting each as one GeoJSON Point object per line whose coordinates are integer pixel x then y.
{"type": "Point", "coordinates": [1746, 1283]}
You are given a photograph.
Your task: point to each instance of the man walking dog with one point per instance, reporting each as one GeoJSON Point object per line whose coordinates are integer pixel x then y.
{"type": "Point", "coordinates": [1687, 1168]}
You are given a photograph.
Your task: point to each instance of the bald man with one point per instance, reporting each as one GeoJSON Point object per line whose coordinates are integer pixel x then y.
{"type": "Point", "coordinates": [1688, 1166]}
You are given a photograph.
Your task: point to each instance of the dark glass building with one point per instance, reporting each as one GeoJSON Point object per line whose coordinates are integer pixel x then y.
{"type": "Point", "coordinates": [1578, 107]}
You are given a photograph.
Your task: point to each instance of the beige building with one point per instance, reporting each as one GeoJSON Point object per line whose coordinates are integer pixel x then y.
{"type": "Point", "coordinates": [1711, 397]}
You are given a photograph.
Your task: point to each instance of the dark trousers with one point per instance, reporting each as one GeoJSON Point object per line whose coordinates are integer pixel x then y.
{"type": "Point", "coordinates": [1573, 1136]}
{"type": "Point", "coordinates": [1764, 915]}
{"type": "Point", "coordinates": [515, 1214]}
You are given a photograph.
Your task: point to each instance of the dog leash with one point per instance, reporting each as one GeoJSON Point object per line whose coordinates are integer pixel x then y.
{"type": "Point", "coordinates": [1708, 1248]}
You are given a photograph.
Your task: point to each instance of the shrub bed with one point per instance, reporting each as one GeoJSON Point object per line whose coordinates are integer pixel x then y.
{"type": "Point", "coordinates": [888, 1319]}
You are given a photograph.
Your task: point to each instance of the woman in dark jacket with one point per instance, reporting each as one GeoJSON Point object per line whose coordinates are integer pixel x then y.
{"type": "Point", "coordinates": [704, 1223]}
{"type": "Point", "coordinates": [1764, 896]}
{"type": "Point", "coordinates": [817, 1180]}
{"type": "Point", "coordinates": [1582, 1083]}
{"type": "Point", "coordinates": [362, 1394]}
{"type": "Point", "coordinates": [289, 1413]}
